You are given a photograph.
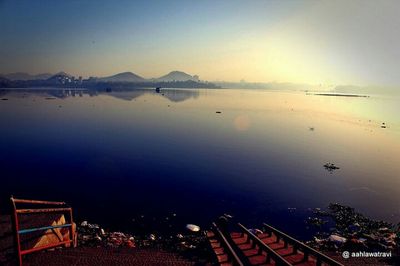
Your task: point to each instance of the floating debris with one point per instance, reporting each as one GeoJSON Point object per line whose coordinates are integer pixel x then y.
{"type": "Point", "coordinates": [193, 227]}
{"type": "Point", "coordinates": [383, 125]}
{"type": "Point", "coordinates": [218, 112]}
{"type": "Point", "coordinates": [339, 240]}
{"type": "Point", "coordinates": [189, 244]}
{"type": "Point", "coordinates": [256, 231]}
{"type": "Point", "coordinates": [330, 167]}
{"type": "Point", "coordinates": [50, 98]}
{"type": "Point", "coordinates": [228, 216]}
{"type": "Point", "coordinates": [354, 231]}
{"type": "Point", "coordinates": [318, 222]}
{"type": "Point", "coordinates": [311, 129]}
{"type": "Point", "coordinates": [93, 236]}
{"type": "Point", "coordinates": [319, 212]}
{"type": "Point", "coordinates": [4, 99]}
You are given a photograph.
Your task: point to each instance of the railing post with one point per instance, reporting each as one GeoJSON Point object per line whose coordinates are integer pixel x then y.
{"type": "Point", "coordinates": [260, 251]}
{"type": "Point", "coordinates": [247, 239]}
{"type": "Point", "coordinates": [305, 255]}
{"type": "Point", "coordinates": [72, 234]}
{"type": "Point", "coordinates": [253, 243]}
{"type": "Point", "coordinates": [294, 249]}
{"type": "Point", "coordinates": [15, 225]}
{"type": "Point", "coordinates": [268, 260]}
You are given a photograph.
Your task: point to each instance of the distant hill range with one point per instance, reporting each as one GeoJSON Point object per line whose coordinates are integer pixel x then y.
{"type": "Point", "coordinates": [120, 77]}
{"type": "Point", "coordinates": [177, 76]}
{"type": "Point", "coordinates": [174, 79]}
{"type": "Point", "coordinates": [132, 77]}
{"type": "Point", "coordinates": [26, 76]}
{"type": "Point", "coordinates": [123, 77]}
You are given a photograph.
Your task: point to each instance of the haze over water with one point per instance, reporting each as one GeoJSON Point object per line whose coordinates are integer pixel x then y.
{"type": "Point", "coordinates": [115, 156]}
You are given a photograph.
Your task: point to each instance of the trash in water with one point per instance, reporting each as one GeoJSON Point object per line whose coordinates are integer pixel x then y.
{"type": "Point", "coordinates": [337, 239]}
{"type": "Point", "coordinates": [256, 231]}
{"type": "Point", "coordinates": [315, 221]}
{"type": "Point", "coordinates": [330, 167]}
{"type": "Point", "coordinates": [93, 235]}
{"type": "Point", "coordinates": [228, 216]}
{"type": "Point", "coordinates": [353, 230]}
{"type": "Point", "coordinates": [193, 227]}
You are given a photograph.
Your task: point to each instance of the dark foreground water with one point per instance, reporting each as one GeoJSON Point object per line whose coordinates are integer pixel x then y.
{"type": "Point", "coordinates": [132, 158]}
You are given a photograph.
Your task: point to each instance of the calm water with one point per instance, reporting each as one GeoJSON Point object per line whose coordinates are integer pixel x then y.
{"type": "Point", "coordinates": [118, 156]}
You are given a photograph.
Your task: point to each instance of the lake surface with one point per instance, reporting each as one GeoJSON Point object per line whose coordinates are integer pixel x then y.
{"type": "Point", "coordinates": [124, 157]}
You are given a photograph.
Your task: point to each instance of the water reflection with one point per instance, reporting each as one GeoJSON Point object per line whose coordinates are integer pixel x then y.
{"type": "Point", "coordinates": [173, 95]}
{"type": "Point", "coordinates": [249, 153]}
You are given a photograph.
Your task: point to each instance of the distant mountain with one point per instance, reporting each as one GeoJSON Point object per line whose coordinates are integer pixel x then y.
{"type": "Point", "coordinates": [123, 77]}
{"type": "Point", "coordinates": [178, 76]}
{"type": "Point", "coordinates": [26, 76]}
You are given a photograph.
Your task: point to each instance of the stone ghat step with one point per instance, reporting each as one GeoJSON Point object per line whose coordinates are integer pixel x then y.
{"type": "Point", "coordinates": [86, 256]}
{"type": "Point", "coordinates": [256, 257]}
{"type": "Point", "coordinates": [222, 256]}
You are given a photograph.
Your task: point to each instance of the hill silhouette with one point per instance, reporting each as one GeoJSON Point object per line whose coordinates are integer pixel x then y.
{"type": "Point", "coordinates": [123, 77]}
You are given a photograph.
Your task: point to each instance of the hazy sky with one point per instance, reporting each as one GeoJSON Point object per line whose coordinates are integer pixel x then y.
{"type": "Point", "coordinates": [328, 42]}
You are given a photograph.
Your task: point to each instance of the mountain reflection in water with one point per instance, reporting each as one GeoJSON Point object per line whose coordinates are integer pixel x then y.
{"type": "Point", "coordinates": [174, 95]}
